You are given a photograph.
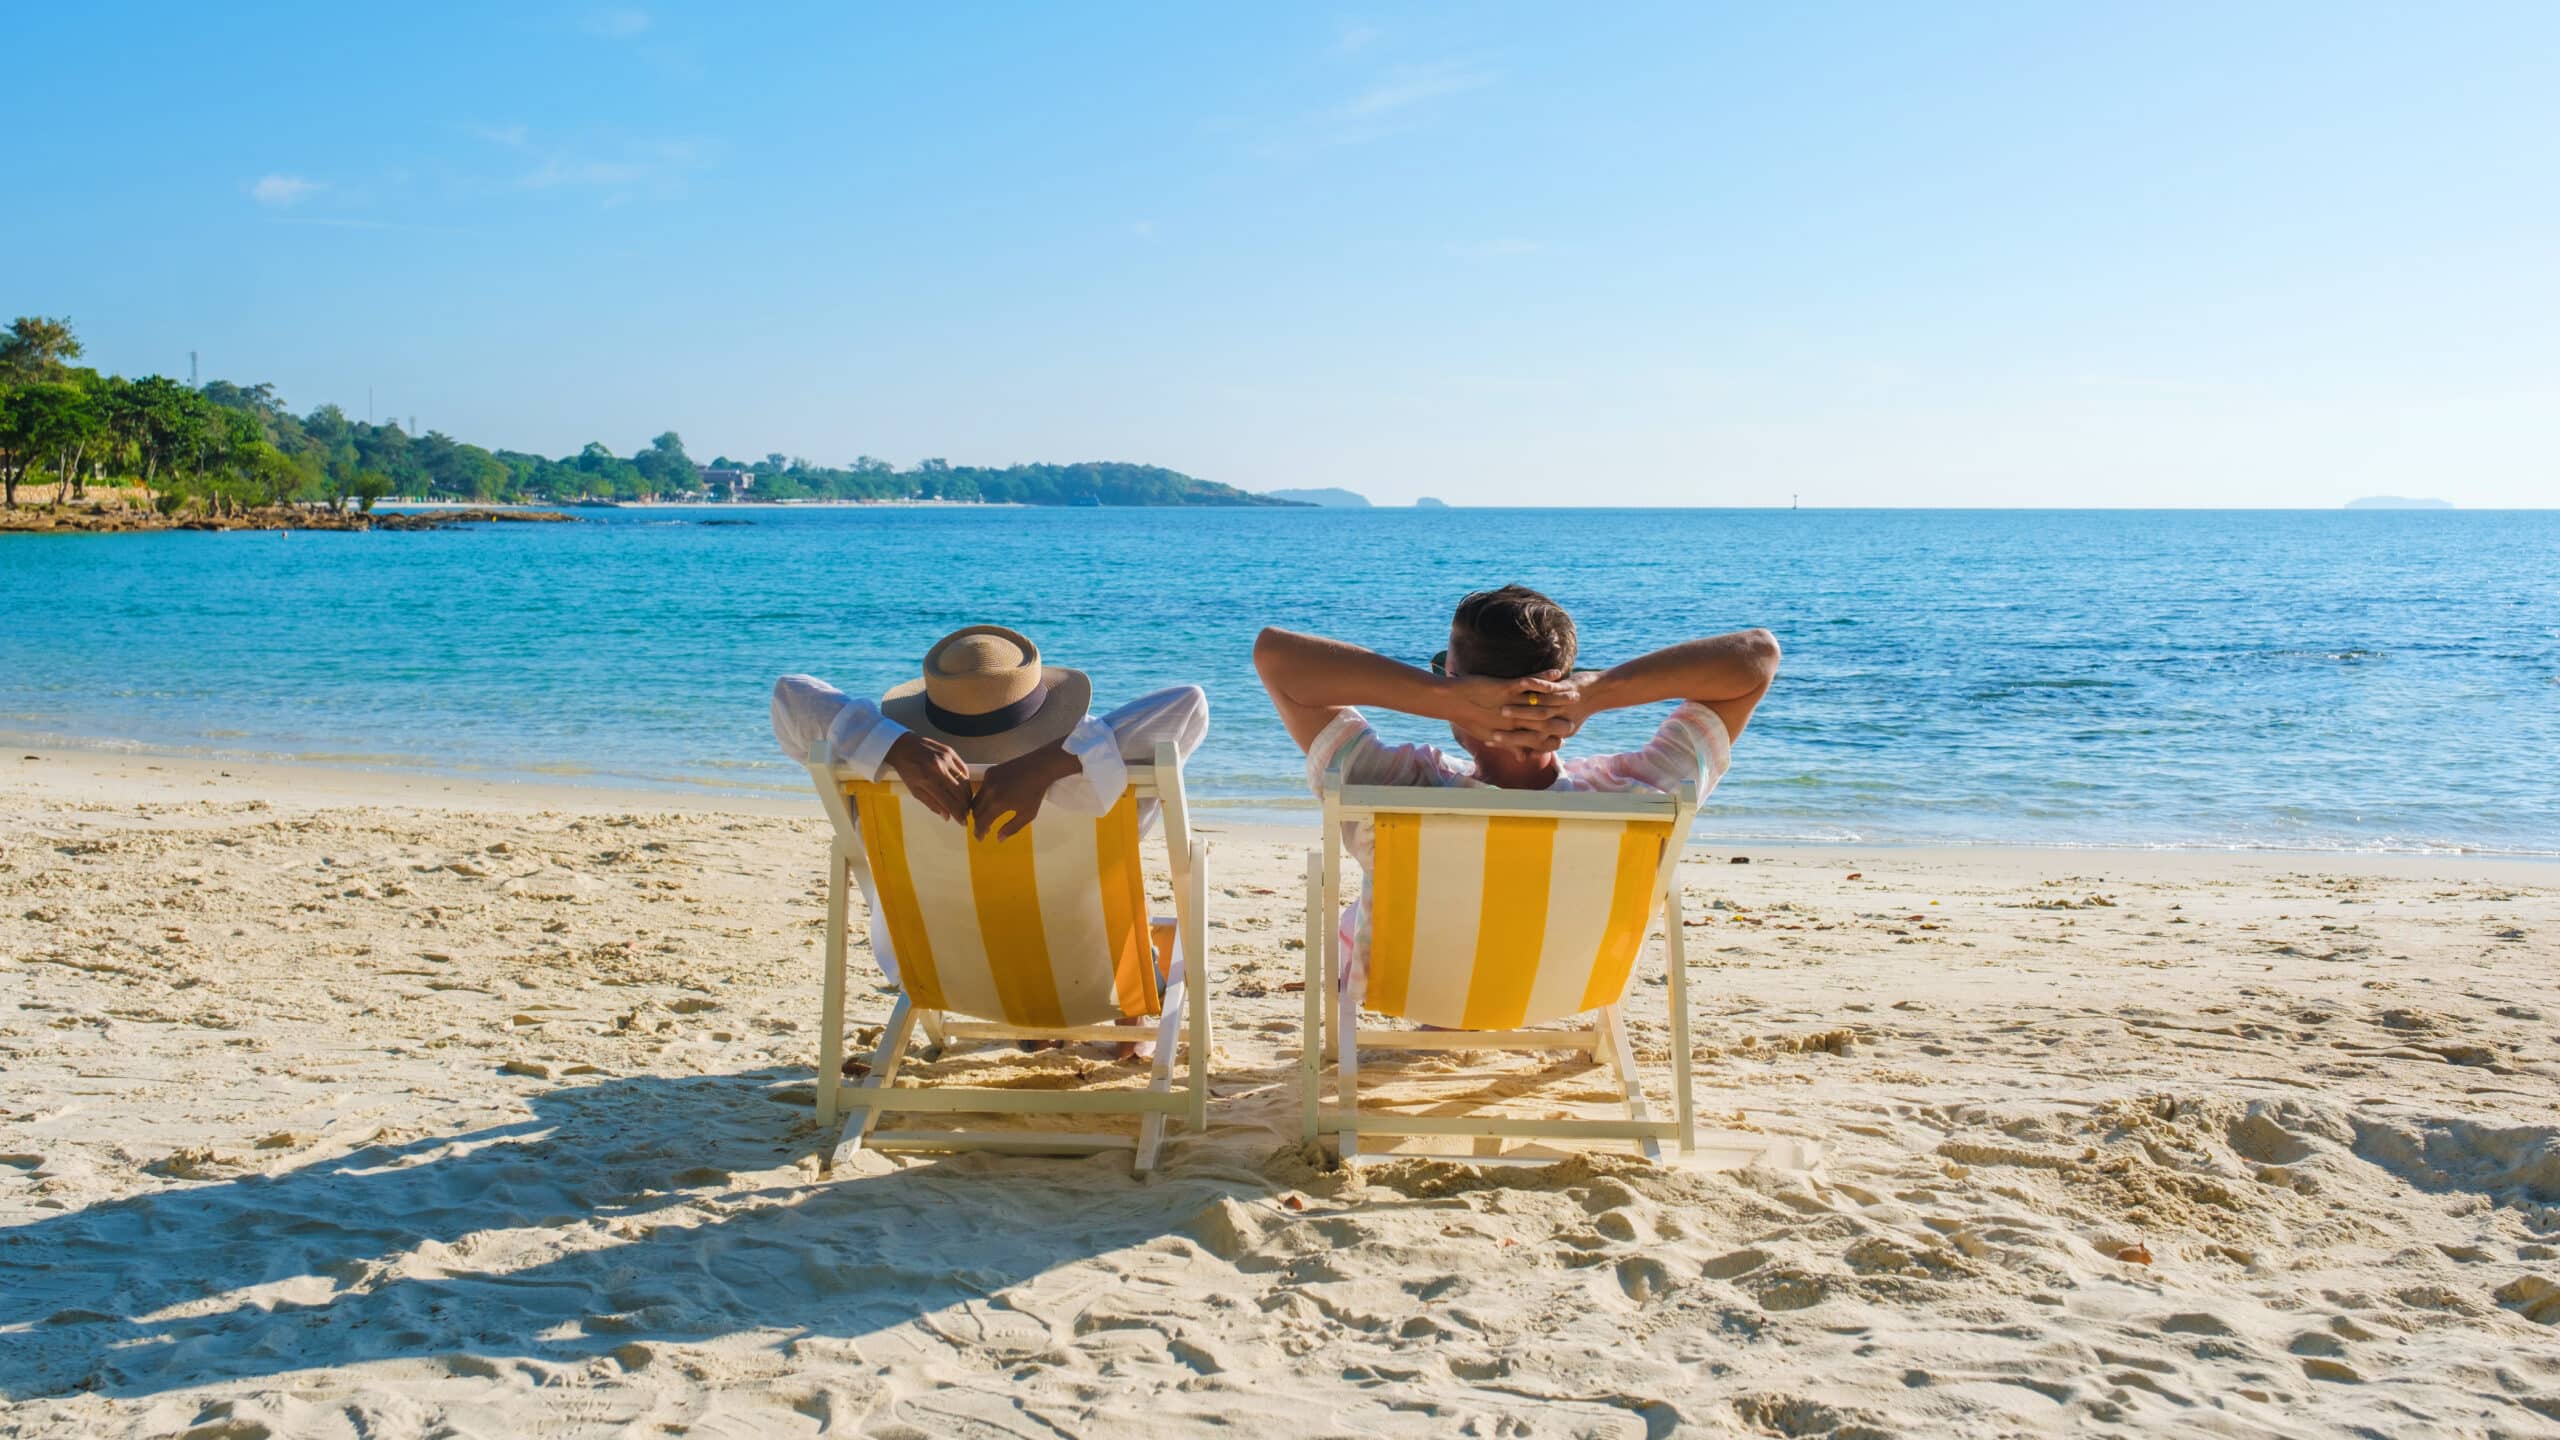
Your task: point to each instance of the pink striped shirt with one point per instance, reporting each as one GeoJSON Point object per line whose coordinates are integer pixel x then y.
{"type": "Point", "coordinates": [1691, 747]}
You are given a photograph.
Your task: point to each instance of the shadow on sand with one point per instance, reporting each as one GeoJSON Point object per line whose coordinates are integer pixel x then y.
{"type": "Point", "coordinates": [627, 1226]}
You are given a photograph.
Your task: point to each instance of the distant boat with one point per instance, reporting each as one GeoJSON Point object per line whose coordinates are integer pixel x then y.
{"type": "Point", "coordinates": [592, 504]}
{"type": "Point", "coordinates": [1083, 500]}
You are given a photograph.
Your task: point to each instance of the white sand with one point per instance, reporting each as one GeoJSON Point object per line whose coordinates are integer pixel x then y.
{"type": "Point", "coordinates": [366, 1106]}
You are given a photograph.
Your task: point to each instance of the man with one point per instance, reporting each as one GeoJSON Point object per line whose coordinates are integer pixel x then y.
{"type": "Point", "coordinates": [1508, 691]}
{"type": "Point", "coordinates": [989, 737]}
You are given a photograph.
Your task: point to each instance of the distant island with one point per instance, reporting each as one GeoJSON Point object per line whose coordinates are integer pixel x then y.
{"type": "Point", "coordinates": [2397, 502]}
{"type": "Point", "coordinates": [1337, 498]}
{"type": "Point", "coordinates": [153, 453]}
{"type": "Point", "coordinates": [1330, 498]}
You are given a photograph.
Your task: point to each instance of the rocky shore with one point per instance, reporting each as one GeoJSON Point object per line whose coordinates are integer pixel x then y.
{"type": "Point", "coordinates": [96, 518]}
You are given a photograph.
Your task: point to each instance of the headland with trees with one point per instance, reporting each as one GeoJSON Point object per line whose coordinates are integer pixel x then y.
{"type": "Point", "coordinates": [153, 452]}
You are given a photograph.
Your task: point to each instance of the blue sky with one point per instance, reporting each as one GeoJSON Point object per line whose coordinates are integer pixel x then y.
{"type": "Point", "coordinates": [1985, 254]}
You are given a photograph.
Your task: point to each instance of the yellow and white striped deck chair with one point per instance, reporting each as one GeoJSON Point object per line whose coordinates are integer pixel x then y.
{"type": "Point", "coordinates": [1044, 936]}
{"type": "Point", "coordinates": [1492, 912]}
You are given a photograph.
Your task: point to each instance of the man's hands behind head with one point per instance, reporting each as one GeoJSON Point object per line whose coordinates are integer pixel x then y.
{"type": "Point", "coordinates": [1536, 713]}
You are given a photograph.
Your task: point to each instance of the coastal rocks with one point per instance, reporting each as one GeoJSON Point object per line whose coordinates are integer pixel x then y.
{"type": "Point", "coordinates": [441, 519]}
{"type": "Point", "coordinates": [100, 518]}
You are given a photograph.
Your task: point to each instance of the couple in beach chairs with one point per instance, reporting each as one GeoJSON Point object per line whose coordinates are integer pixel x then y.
{"type": "Point", "coordinates": [993, 828]}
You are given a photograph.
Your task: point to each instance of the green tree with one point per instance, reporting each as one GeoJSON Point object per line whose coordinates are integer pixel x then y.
{"type": "Point", "coordinates": [58, 423]}
{"type": "Point", "coordinates": [233, 440]}
{"type": "Point", "coordinates": [185, 434]}
{"type": "Point", "coordinates": [276, 479]}
{"type": "Point", "coordinates": [605, 475]}
{"type": "Point", "coordinates": [144, 425]}
{"type": "Point", "coordinates": [37, 348]}
{"type": "Point", "coordinates": [333, 436]}
{"type": "Point", "coordinates": [666, 467]}
{"type": "Point", "coordinates": [439, 460]}
{"type": "Point", "coordinates": [260, 399]}
{"type": "Point", "coordinates": [16, 451]}
{"type": "Point", "coordinates": [385, 449]}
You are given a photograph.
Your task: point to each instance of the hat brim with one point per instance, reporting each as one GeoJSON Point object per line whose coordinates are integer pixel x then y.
{"type": "Point", "coordinates": [1066, 695]}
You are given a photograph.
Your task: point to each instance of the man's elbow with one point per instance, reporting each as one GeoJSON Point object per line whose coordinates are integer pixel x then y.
{"type": "Point", "coordinates": [1268, 648]}
{"type": "Point", "coordinates": [1762, 647]}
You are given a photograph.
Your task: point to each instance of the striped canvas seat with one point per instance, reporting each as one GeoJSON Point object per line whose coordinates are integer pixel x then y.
{"type": "Point", "coordinates": [1493, 915]}
{"type": "Point", "coordinates": [1043, 936]}
{"type": "Point", "coordinates": [1047, 928]}
{"type": "Point", "coordinates": [1528, 919]}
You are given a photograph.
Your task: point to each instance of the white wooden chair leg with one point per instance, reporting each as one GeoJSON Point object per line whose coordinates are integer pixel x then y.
{"type": "Point", "coordinates": [1195, 962]}
{"type": "Point", "coordinates": [1160, 1080]}
{"type": "Point", "coordinates": [1332, 933]}
{"type": "Point", "coordinates": [831, 1002]}
{"type": "Point", "coordinates": [1347, 1083]}
{"type": "Point", "coordinates": [934, 1034]}
{"type": "Point", "coordinates": [1613, 1029]}
{"type": "Point", "coordinates": [1675, 958]}
{"type": "Point", "coordinates": [892, 1051]}
{"type": "Point", "coordinates": [1311, 1030]}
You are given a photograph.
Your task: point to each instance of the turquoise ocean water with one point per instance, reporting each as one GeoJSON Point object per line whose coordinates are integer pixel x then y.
{"type": "Point", "coordinates": [2350, 680]}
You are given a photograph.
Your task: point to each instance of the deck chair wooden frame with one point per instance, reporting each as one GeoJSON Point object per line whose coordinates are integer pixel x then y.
{"type": "Point", "coordinates": [854, 1111]}
{"type": "Point", "coordinates": [1603, 1037]}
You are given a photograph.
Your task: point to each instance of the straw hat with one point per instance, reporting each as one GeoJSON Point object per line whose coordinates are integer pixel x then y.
{"type": "Point", "coordinates": [985, 694]}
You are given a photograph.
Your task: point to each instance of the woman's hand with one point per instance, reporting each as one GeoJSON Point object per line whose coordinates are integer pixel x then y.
{"type": "Point", "coordinates": [935, 775]}
{"type": "Point", "coordinates": [1016, 788]}
{"type": "Point", "coordinates": [1534, 712]}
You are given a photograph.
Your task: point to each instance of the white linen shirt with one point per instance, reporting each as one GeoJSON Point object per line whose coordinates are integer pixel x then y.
{"type": "Point", "coordinates": [1691, 746]}
{"type": "Point", "coordinates": [858, 738]}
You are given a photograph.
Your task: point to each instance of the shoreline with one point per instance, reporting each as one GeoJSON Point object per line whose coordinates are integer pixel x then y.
{"type": "Point", "coordinates": [595, 504]}
{"type": "Point", "coordinates": [140, 775]}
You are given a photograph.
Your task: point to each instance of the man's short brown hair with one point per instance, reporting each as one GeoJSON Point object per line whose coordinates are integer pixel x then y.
{"type": "Point", "coordinates": [1510, 632]}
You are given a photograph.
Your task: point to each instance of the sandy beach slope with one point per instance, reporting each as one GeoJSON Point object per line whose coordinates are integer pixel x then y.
{"type": "Point", "coordinates": [346, 1105]}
